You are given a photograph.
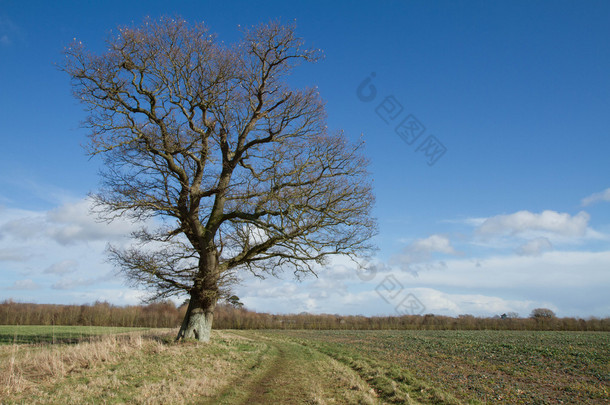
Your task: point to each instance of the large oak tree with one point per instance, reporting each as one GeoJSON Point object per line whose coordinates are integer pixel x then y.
{"type": "Point", "coordinates": [237, 168]}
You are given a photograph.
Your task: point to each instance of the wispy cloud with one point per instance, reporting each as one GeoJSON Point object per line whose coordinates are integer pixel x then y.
{"type": "Point", "coordinates": [522, 222]}
{"type": "Point", "coordinates": [63, 267]}
{"type": "Point", "coordinates": [596, 197]}
{"type": "Point", "coordinates": [27, 284]}
{"type": "Point", "coordinates": [50, 247]}
{"type": "Point", "coordinates": [39, 191]}
{"type": "Point", "coordinates": [72, 283]}
{"type": "Point", "coordinates": [11, 255]}
{"type": "Point", "coordinates": [68, 224]}
{"type": "Point", "coordinates": [9, 31]}
{"type": "Point", "coordinates": [470, 221]}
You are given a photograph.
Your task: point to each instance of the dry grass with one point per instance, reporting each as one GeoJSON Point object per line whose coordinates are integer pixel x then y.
{"type": "Point", "coordinates": [29, 366]}
{"type": "Point", "coordinates": [133, 368]}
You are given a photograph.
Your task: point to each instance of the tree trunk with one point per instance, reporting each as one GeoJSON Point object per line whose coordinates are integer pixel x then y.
{"type": "Point", "coordinates": [197, 323]}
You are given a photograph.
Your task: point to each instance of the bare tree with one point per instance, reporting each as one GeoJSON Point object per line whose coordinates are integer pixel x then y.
{"type": "Point", "coordinates": [237, 169]}
{"type": "Point", "coordinates": [542, 313]}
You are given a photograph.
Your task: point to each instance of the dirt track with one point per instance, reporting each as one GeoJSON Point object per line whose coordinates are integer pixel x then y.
{"type": "Point", "coordinates": [290, 373]}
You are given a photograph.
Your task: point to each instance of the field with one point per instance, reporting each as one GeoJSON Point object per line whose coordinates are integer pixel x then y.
{"type": "Point", "coordinates": [304, 367]}
{"type": "Point", "coordinates": [55, 334]}
{"type": "Point", "coordinates": [474, 366]}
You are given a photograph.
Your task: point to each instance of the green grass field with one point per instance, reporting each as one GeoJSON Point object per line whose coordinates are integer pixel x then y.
{"type": "Point", "coordinates": [307, 367]}
{"type": "Point", "coordinates": [10, 334]}
{"type": "Point", "coordinates": [516, 367]}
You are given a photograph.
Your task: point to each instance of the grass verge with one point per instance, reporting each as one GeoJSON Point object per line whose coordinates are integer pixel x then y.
{"type": "Point", "coordinates": [132, 368]}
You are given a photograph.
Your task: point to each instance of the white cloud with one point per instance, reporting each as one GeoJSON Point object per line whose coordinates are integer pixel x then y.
{"type": "Point", "coordinates": [534, 247]}
{"type": "Point", "coordinates": [271, 290]}
{"type": "Point", "coordinates": [421, 250]}
{"type": "Point", "coordinates": [568, 282]}
{"type": "Point", "coordinates": [432, 244]}
{"type": "Point", "coordinates": [550, 271]}
{"type": "Point", "coordinates": [14, 255]}
{"type": "Point", "coordinates": [43, 245]}
{"type": "Point", "coordinates": [472, 221]}
{"type": "Point", "coordinates": [571, 283]}
{"type": "Point", "coordinates": [373, 298]}
{"type": "Point", "coordinates": [74, 223]}
{"type": "Point", "coordinates": [596, 197]}
{"type": "Point", "coordinates": [328, 286]}
{"type": "Point", "coordinates": [65, 238]}
{"type": "Point", "coordinates": [72, 283]}
{"type": "Point", "coordinates": [439, 302]}
{"type": "Point", "coordinates": [27, 284]}
{"type": "Point", "coordinates": [122, 296]}
{"type": "Point", "coordinates": [63, 267]}
{"type": "Point", "coordinates": [67, 224]}
{"type": "Point", "coordinates": [525, 221]}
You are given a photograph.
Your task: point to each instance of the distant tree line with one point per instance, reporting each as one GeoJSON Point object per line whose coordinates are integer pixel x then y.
{"type": "Point", "coordinates": [232, 315]}
{"type": "Point", "coordinates": [155, 315]}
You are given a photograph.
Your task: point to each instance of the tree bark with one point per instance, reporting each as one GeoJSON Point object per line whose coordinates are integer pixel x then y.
{"type": "Point", "coordinates": [197, 323]}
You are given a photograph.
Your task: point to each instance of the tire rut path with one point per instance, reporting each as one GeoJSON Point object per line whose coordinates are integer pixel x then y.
{"type": "Point", "coordinates": [278, 370]}
{"type": "Point", "coordinates": [295, 374]}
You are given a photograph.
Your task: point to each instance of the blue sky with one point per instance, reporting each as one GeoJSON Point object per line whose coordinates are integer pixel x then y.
{"type": "Point", "coordinates": [514, 215]}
